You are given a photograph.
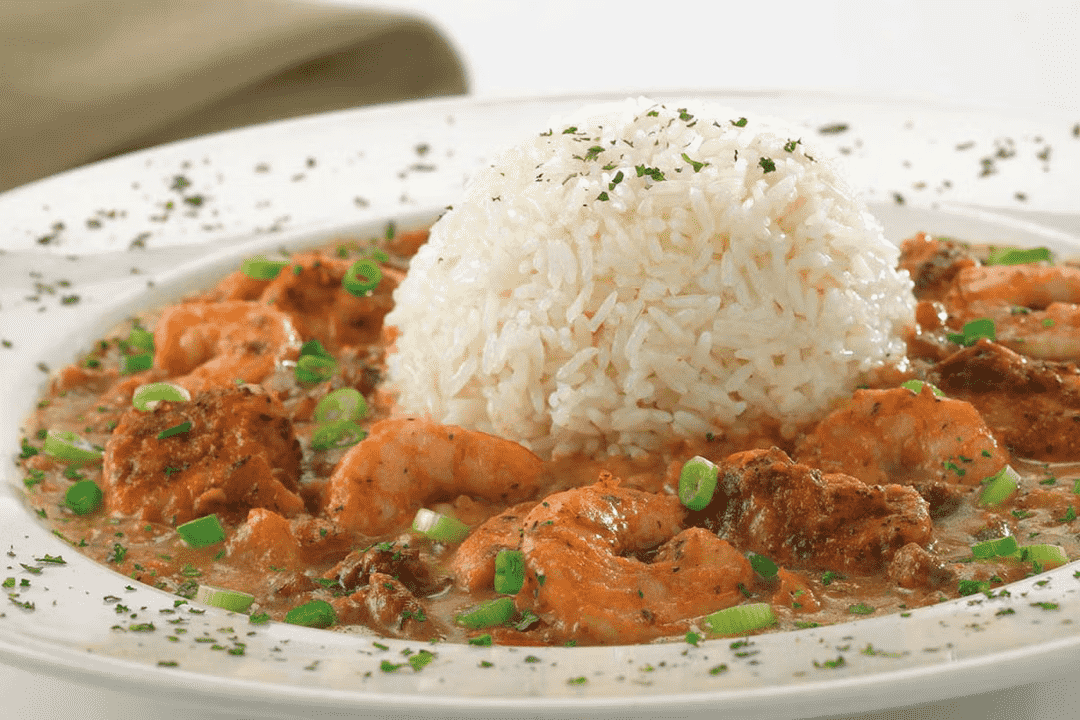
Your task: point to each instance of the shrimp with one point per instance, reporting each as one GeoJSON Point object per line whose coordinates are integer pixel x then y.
{"type": "Point", "coordinates": [381, 482]}
{"type": "Point", "coordinates": [938, 445]}
{"type": "Point", "coordinates": [1032, 406]}
{"type": "Point", "coordinates": [238, 452]}
{"type": "Point", "coordinates": [473, 563]}
{"type": "Point", "coordinates": [580, 582]}
{"type": "Point", "coordinates": [933, 264]}
{"type": "Point", "coordinates": [1035, 308]}
{"type": "Point", "coordinates": [796, 515]}
{"type": "Point", "coordinates": [309, 291]}
{"type": "Point", "coordinates": [203, 345]}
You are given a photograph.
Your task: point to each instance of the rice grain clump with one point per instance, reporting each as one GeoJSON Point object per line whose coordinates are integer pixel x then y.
{"type": "Point", "coordinates": [641, 271]}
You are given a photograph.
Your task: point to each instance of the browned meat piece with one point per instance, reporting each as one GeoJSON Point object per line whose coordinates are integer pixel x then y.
{"type": "Point", "coordinates": [1031, 406]}
{"type": "Point", "coordinates": [386, 606]}
{"type": "Point", "coordinates": [398, 559]}
{"type": "Point", "coordinates": [240, 452]}
{"type": "Point", "coordinates": [938, 445]}
{"type": "Point", "coordinates": [914, 567]}
{"type": "Point", "coordinates": [933, 263]}
{"type": "Point", "coordinates": [798, 516]}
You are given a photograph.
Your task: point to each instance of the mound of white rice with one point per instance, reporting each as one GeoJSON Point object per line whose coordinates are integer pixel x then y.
{"type": "Point", "coordinates": [641, 271]}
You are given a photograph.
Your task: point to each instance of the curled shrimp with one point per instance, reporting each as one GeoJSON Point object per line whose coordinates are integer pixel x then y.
{"type": "Point", "coordinates": [202, 345]}
{"type": "Point", "coordinates": [473, 563]}
{"type": "Point", "coordinates": [1035, 308]}
{"type": "Point", "coordinates": [938, 445]}
{"type": "Point", "coordinates": [580, 579]}
{"type": "Point", "coordinates": [406, 463]}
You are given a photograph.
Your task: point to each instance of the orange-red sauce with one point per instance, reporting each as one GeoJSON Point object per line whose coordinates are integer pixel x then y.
{"type": "Point", "coordinates": [284, 546]}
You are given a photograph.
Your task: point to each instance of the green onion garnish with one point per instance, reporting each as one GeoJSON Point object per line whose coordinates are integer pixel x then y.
{"type": "Point", "coordinates": [316, 614]}
{"type": "Point", "coordinates": [916, 387]}
{"type": "Point", "coordinates": [972, 331]}
{"type": "Point", "coordinates": [315, 369]}
{"type": "Point", "coordinates": [439, 527]}
{"type": "Point", "coordinates": [509, 571]}
{"type": "Point", "coordinates": [337, 434]}
{"type": "Point", "coordinates": [362, 277]}
{"type": "Point", "coordinates": [697, 482]}
{"type": "Point", "coordinates": [1001, 547]}
{"type": "Point", "coordinates": [343, 404]}
{"type": "Point", "coordinates": [140, 339]}
{"type": "Point", "coordinates": [147, 397]}
{"type": "Point", "coordinates": [259, 268]}
{"type": "Point", "coordinates": [314, 347]}
{"type": "Point", "coordinates": [762, 565]}
{"type": "Point", "coordinates": [999, 487]}
{"type": "Point", "coordinates": [202, 532]}
{"type": "Point", "coordinates": [1046, 555]}
{"type": "Point", "coordinates": [970, 587]}
{"type": "Point", "coordinates": [84, 497]}
{"type": "Point", "coordinates": [739, 619]}
{"type": "Point", "coordinates": [66, 445]}
{"type": "Point", "coordinates": [223, 598]}
{"type": "Point", "coordinates": [131, 364]}
{"type": "Point", "coordinates": [174, 430]}
{"type": "Point", "coordinates": [316, 364]}
{"type": "Point", "coordinates": [487, 614]}
{"type": "Point", "coordinates": [1018, 256]}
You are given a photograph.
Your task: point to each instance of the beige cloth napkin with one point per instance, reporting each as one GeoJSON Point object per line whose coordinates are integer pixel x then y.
{"type": "Point", "coordinates": [81, 80]}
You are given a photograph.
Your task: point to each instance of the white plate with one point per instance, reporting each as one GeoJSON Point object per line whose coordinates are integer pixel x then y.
{"type": "Point", "coordinates": [304, 181]}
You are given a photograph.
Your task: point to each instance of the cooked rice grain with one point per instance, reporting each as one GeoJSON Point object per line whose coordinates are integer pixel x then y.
{"type": "Point", "coordinates": [640, 271]}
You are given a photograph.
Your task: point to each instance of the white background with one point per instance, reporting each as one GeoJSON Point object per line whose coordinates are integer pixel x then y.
{"type": "Point", "coordinates": [994, 53]}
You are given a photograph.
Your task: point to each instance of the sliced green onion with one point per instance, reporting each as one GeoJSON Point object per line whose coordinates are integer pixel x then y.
{"type": "Point", "coordinates": [316, 364]}
{"type": "Point", "coordinates": [202, 532]}
{"type": "Point", "coordinates": [147, 397]}
{"type": "Point", "coordinates": [174, 430]}
{"type": "Point", "coordinates": [697, 482]}
{"type": "Point", "coordinates": [972, 331]}
{"type": "Point", "coordinates": [315, 368]}
{"type": "Point", "coordinates": [336, 435]}
{"type": "Point", "coordinates": [66, 445]}
{"type": "Point", "coordinates": [762, 565]}
{"type": "Point", "coordinates": [916, 387]}
{"type": "Point", "coordinates": [1046, 555]}
{"type": "Point", "coordinates": [314, 347]}
{"type": "Point", "coordinates": [84, 497]}
{"type": "Point", "coordinates": [259, 268]}
{"type": "Point", "coordinates": [739, 619]}
{"type": "Point", "coordinates": [1000, 547]}
{"type": "Point", "coordinates": [439, 527]}
{"type": "Point", "coordinates": [131, 364]}
{"type": "Point", "coordinates": [970, 587]}
{"type": "Point", "coordinates": [226, 599]}
{"type": "Point", "coordinates": [999, 487]}
{"type": "Point", "coordinates": [487, 614]}
{"type": "Point", "coordinates": [509, 571]}
{"type": "Point", "coordinates": [343, 404]}
{"type": "Point", "coordinates": [316, 614]}
{"type": "Point", "coordinates": [362, 277]}
{"type": "Point", "coordinates": [141, 339]}
{"type": "Point", "coordinates": [1018, 256]}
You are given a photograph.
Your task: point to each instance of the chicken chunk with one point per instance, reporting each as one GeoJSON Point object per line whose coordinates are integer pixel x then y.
{"type": "Point", "coordinates": [226, 451]}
